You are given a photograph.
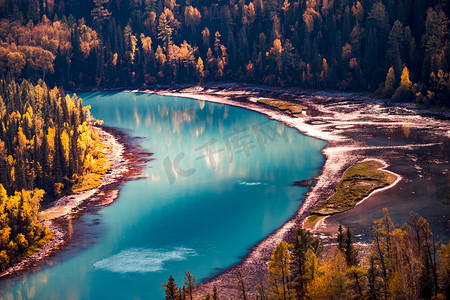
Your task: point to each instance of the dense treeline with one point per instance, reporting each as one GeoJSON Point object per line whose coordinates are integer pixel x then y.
{"type": "Point", "coordinates": [47, 146]}
{"type": "Point", "coordinates": [45, 139]}
{"type": "Point", "coordinates": [397, 47]}
{"type": "Point", "coordinates": [402, 263]}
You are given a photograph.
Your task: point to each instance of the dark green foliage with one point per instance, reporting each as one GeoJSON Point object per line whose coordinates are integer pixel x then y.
{"type": "Point", "coordinates": [215, 295]}
{"type": "Point", "coordinates": [345, 245]}
{"type": "Point", "coordinates": [304, 242]}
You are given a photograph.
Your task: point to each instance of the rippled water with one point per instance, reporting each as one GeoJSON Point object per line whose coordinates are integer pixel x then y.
{"type": "Point", "coordinates": [221, 181]}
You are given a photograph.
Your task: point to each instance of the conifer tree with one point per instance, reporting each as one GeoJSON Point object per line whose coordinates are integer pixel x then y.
{"type": "Point", "coordinates": [279, 272]}
{"type": "Point", "coordinates": [170, 288]}
{"type": "Point", "coordinates": [389, 83]}
{"type": "Point", "coordinates": [189, 282]}
{"type": "Point", "coordinates": [304, 242]}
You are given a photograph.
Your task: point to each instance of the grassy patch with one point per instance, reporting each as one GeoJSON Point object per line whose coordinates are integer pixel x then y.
{"type": "Point", "coordinates": [311, 221]}
{"type": "Point", "coordinates": [292, 108]}
{"type": "Point", "coordinates": [356, 184]}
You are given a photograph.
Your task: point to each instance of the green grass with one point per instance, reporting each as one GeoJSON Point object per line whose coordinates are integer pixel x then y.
{"type": "Point", "coordinates": [356, 184]}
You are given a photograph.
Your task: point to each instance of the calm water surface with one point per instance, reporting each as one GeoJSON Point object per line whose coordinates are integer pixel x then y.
{"type": "Point", "coordinates": [220, 183]}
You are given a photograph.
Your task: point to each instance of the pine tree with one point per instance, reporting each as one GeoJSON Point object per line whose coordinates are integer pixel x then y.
{"type": "Point", "coordinates": [170, 289]}
{"type": "Point", "coordinates": [395, 47]}
{"type": "Point", "coordinates": [350, 252]}
{"type": "Point", "coordinates": [33, 11]}
{"type": "Point", "coordinates": [165, 31]}
{"type": "Point", "coordinates": [100, 14]}
{"type": "Point", "coordinates": [215, 294]}
{"type": "Point", "coordinates": [304, 242]}
{"type": "Point", "coordinates": [389, 83]}
{"type": "Point", "coordinates": [189, 282]}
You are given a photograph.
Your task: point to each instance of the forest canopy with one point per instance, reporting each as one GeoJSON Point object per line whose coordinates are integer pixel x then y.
{"type": "Point", "coordinates": [48, 147]}
{"type": "Point", "coordinates": [396, 47]}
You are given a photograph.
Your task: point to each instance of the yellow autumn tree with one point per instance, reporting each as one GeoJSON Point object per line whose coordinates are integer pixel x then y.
{"type": "Point", "coordinates": [50, 139]}
{"type": "Point", "coordinates": [276, 51]}
{"type": "Point", "coordinates": [404, 91]}
{"type": "Point", "coordinates": [405, 81]}
{"type": "Point", "coordinates": [200, 69]}
{"type": "Point", "coordinates": [146, 43]}
{"type": "Point", "coordinates": [330, 280]}
{"type": "Point", "coordinates": [279, 273]}
{"type": "Point", "coordinates": [65, 140]}
{"type": "Point", "coordinates": [27, 233]}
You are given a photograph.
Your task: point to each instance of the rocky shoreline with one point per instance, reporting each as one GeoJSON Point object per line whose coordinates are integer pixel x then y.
{"type": "Point", "coordinates": [337, 118]}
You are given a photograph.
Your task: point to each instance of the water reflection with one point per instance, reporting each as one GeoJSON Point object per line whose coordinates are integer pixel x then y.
{"type": "Point", "coordinates": [406, 131]}
{"type": "Point", "coordinates": [220, 182]}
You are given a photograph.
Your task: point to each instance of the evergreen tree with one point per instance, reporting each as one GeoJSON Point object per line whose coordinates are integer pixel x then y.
{"type": "Point", "coordinates": [165, 31]}
{"type": "Point", "coordinates": [170, 289]}
{"type": "Point", "coordinates": [189, 282]}
{"type": "Point", "coordinates": [215, 295]}
{"type": "Point", "coordinates": [350, 252]}
{"type": "Point", "coordinates": [304, 242]}
{"type": "Point", "coordinates": [395, 47]}
{"type": "Point", "coordinates": [389, 83]}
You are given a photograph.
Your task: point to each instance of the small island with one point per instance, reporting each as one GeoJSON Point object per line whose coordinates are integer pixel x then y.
{"type": "Point", "coordinates": [357, 183]}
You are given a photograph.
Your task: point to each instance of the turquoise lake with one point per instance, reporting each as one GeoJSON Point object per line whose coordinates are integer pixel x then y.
{"type": "Point", "coordinates": [220, 182]}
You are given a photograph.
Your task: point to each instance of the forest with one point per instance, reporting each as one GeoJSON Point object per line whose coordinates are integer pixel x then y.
{"type": "Point", "coordinates": [397, 48]}
{"type": "Point", "coordinates": [48, 148]}
{"type": "Point", "coordinates": [402, 262]}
